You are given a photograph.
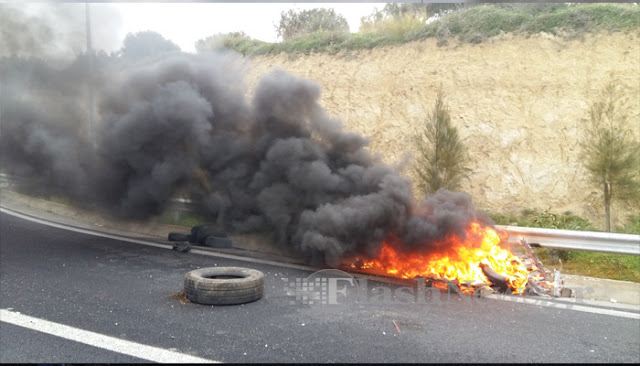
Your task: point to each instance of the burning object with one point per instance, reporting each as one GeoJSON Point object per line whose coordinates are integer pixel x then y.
{"type": "Point", "coordinates": [271, 161]}
{"type": "Point", "coordinates": [473, 262]}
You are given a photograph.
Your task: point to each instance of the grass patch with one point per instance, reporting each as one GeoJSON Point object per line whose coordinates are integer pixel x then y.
{"type": "Point", "coordinates": [471, 24]}
{"type": "Point", "coordinates": [602, 265]}
{"type": "Point", "coordinates": [632, 226]}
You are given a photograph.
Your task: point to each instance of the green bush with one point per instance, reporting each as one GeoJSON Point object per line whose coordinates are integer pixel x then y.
{"type": "Point", "coordinates": [544, 219]}
{"type": "Point", "coordinates": [237, 41]}
{"type": "Point", "coordinates": [145, 45]}
{"type": "Point", "coordinates": [395, 27]}
{"type": "Point", "coordinates": [549, 220]}
{"type": "Point", "coordinates": [294, 24]}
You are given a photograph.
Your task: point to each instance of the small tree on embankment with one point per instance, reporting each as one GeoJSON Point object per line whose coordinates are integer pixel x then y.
{"type": "Point", "coordinates": [611, 153]}
{"type": "Point", "coordinates": [441, 154]}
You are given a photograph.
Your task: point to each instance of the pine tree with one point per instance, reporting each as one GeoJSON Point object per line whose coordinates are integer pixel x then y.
{"type": "Point", "coordinates": [441, 155]}
{"type": "Point", "coordinates": [610, 152]}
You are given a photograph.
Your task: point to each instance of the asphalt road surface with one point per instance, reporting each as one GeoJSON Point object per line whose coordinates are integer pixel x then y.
{"type": "Point", "coordinates": [76, 298]}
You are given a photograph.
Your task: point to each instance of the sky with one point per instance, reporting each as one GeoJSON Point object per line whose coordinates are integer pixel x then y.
{"type": "Point", "coordinates": [184, 24]}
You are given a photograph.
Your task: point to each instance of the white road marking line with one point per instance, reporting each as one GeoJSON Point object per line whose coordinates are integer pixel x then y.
{"type": "Point", "coordinates": [589, 302]}
{"type": "Point", "coordinates": [309, 268]}
{"type": "Point", "coordinates": [77, 229]}
{"type": "Point", "coordinates": [156, 245]}
{"type": "Point", "coordinates": [565, 306]}
{"type": "Point", "coordinates": [108, 343]}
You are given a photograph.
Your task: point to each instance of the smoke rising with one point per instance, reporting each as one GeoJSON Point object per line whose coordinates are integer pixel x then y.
{"type": "Point", "coordinates": [272, 162]}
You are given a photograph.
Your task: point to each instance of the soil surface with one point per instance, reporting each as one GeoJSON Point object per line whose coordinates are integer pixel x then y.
{"type": "Point", "coordinates": [519, 104]}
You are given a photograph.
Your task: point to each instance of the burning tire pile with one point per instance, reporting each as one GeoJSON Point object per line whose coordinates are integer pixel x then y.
{"type": "Point", "coordinates": [475, 265]}
{"type": "Point", "coordinates": [270, 161]}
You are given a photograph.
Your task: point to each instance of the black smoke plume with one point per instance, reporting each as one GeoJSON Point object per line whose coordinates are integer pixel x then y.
{"type": "Point", "coordinates": [272, 162]}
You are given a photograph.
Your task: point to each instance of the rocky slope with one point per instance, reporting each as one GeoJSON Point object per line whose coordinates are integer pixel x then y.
{"type": "Point", "coordinates": [519, 104]}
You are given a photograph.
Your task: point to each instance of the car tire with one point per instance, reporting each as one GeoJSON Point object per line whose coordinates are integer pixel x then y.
{"type": "Point", "coordinates": [200, 233]}
{"type": "Point", "coordinates": [224, 285]}
{"type": "Point", "coordinates": [216, 242]}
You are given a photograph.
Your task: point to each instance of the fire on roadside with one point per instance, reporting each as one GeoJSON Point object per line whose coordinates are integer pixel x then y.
{"type": "Point", "coordinates": [462, 263]}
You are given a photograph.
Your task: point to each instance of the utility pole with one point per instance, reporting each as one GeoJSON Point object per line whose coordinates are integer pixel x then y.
{"type": "Point", "coordinates": [1, 83]}
{"type": "Point", "coordinates": [92, 135]}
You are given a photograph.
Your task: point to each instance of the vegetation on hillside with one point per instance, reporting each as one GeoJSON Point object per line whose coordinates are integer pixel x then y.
{"type": "Point", "coordinates": [441, 158]}
{"type": "Point", "coordinates": [544, 219]}
{"type": "Point", "coordinates": [621, 267]}
{"type": "Point", "coordinates": [471, 23]}
{"type": "Point", "coordinates": [145, 45]}
{"type": "Point", "coordinates": [611, 153]}
{"type": "Point", "coordinates": [295, 24]}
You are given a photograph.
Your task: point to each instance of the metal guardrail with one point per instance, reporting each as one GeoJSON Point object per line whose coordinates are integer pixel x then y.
{"type": "Point", "coordinates": [547, 238]}
{"type": "Point", "coordinates": [575, 240]}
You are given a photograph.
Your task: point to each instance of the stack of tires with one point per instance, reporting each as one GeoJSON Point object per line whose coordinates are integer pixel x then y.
{"type": "Point", "coordinates": [205, 235]}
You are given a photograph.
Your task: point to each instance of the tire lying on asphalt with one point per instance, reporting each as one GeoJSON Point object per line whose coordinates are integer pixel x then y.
{"type": "Point", "coordinates": [224, 285]}
{"type": "Point", "coordinates": [200, 233]}
{"type": "Point", "coordinates": [216, 242]}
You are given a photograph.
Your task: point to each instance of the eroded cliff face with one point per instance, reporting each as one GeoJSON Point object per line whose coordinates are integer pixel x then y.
{"type": "Point", "coordinates": [519, 104]}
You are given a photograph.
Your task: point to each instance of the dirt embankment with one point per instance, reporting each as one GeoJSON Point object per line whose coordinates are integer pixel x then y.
{"type": "Point", "coordinates": [519, 104]}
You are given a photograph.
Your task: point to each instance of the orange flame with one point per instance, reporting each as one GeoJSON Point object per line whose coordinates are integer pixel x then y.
{"type": "Point", "coordinates": [461, 263]}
